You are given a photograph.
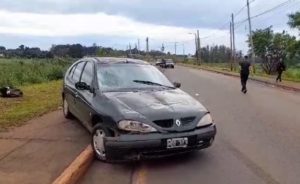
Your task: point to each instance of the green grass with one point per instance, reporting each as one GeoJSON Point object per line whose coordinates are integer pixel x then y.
{"type": "Point", "coordinates": [37, 100]}
{"type": "Point", "coordinates": [291, 74]}
{"type": "Point", "coordinates": [40, 81]}
{"type": "Point", "coordinates": [19, 71]}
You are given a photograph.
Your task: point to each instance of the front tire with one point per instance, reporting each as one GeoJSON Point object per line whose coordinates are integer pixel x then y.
{"type": "Point", "coordinates": [98, 135]}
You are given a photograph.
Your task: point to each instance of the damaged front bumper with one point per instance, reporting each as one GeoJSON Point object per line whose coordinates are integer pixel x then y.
{"type": "Point", "coordinates": [137, 146]}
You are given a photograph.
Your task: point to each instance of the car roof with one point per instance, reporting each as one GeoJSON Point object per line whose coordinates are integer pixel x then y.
{"type": "Point", "coordinates": [115, 60]}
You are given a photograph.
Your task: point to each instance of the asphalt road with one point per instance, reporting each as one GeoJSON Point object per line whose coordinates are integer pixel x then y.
{"type": "Point", "coordinates": [258, 138]}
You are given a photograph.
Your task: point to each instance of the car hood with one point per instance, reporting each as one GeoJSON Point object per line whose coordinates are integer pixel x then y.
{"type": "Point", "coordinates": [157, 105]}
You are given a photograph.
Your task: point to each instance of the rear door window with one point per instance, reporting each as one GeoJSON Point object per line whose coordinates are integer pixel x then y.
{"type": "Point", "coordinates": [87, 75]}
{"type": "Point", "coordinates": [71, 71]}
{"type": "Point", "coordinates": [77, 71]}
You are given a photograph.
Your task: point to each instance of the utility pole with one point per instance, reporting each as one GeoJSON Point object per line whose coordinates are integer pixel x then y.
{"type": "Point", "coordinates": [196, 47]}
{"type": "Point", "coordinates": [183, 50]}
{"type": "Point", "coordinates": [231, 46]}
{"type": "Point", "coordinates": [175, 47]}
{"type": "Point", "coordinates": [129, 48]}
{"type": "Point", "coordinates": [147, 45]}
{"type": "Point", "coordinates": [199, 47]}
{"type": "Point", "coordinates": [233, 39]}
{"type": "Point", "coordinates": [138, 46]}
{"type": "Point", "coordinates": [251, 39]}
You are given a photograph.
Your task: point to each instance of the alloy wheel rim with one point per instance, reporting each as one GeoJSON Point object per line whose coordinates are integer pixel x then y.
{"type": "Point", "coordinates": [98, 141]}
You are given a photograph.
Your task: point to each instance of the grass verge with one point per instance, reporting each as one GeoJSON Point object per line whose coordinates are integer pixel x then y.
{"type": "Point", "coordinates": [37, 100]}
{"type": "Point", "coordinates": [291, 75]}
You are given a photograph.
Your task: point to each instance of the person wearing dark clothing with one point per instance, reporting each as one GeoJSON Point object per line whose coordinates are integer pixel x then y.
{"type": "Point", "coordinates": [280, 68]}
{"type": "Point", "coordinates": [245, 70]}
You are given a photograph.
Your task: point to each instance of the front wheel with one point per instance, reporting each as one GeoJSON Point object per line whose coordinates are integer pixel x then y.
{"type": "Point", "coordinates": [98, 135]}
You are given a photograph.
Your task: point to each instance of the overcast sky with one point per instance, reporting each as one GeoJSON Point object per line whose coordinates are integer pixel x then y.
{"type": "Point", "coordinates": [117, 23]}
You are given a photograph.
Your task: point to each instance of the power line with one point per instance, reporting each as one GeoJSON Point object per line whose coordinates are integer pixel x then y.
{"type": "Point", "coordinates": [272, 9]}
{"type": "Point", "coordinates": [226, 23]}
{"type": "Point", "coordinates": [267, 17]}
{"type": "Point", "coordinates": [265, 12]}
{"type": "Point", "coordinates": [240, 11]}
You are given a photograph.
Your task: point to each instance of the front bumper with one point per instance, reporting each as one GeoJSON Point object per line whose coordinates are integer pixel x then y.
{"type": "Point", "coordinates": [136, 146]}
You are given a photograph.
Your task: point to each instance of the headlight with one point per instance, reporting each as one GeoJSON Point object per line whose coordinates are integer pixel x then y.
{"type": "Point", "coordinates": [135, 126]}
{"type": "Point", "coordinates": [205, 120]}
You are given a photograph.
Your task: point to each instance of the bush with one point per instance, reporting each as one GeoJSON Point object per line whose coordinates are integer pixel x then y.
{"type": "Point", "coordinates": [15, 71]}
{"type": "Point", "coordinates": [293, 73]}
{"type": "Point", "coordinates": [55, 73]}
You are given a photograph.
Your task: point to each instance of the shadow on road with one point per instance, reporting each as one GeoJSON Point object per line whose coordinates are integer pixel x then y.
{"type": "Point", "coordinates": [172, 161]}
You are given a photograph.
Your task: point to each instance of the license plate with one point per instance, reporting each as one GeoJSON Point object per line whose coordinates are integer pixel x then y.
{"type": "Point", "coordinates": [177, 142]}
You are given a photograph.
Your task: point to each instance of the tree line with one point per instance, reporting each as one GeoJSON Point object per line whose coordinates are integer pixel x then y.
{"type": "Point", "coordinates": [271, 47]}
{"type": "Point", "coordinates": [67, 50]}
{"type": "Point", "coordinates": [217, 54]}
{"type": "Point", "coordinates": [73, 51]}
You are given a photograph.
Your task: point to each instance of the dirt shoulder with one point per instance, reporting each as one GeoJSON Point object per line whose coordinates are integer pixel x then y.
{"type": "Point", "coordinates": [40, 150]}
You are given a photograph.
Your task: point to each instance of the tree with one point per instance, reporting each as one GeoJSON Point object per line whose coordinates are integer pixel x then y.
{"type": "Point", "coordinates": [76, 51]}
{"type": "Point", "coordinates": [294, 20]}
{"type": "Point", "coordinates": [101, 52]}
{"type": "Point", "coordinates": [271, 47]}
{"type": "Point", "coordinates": [22, 47]}
{"type": "Point", "coordinates": [60, 50]}
{"type": "Point", "coordinates": [215, 54]}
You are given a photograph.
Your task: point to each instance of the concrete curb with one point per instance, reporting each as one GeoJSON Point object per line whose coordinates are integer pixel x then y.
{"type": "Point", "coordinates": [290, 88]}
{"type": "Point", "coordinates": [77, 168]}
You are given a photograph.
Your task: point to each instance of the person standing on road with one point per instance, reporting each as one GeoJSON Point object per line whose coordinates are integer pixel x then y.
{"type": "Point", "coordinates": [280, 68]}
{"type": "Point", "coordinates": [245, 70]}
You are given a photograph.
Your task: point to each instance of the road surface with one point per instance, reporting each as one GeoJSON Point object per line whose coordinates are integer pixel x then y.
{"type": "Point", "coordinates": [258, 138]}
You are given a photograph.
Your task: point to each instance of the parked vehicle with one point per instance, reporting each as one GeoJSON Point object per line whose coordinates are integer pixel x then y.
{"type": "Point", "coordinates": [158, 63]}
{"type": "Point", "coordinates": [167, 63]}
{"type": "Point", "coordinates": [133, 111]}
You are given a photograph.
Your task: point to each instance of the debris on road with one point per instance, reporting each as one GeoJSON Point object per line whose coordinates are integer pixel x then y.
{"type": "Point", "coordinates": [9, 91]}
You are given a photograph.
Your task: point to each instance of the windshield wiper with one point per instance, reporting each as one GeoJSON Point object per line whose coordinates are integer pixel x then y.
{"type": "Point", "coordinates": [152, 83]}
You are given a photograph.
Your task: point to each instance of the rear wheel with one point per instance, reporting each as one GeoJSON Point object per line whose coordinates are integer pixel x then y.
{"type": "Point", "coordinates": [98, 135]}
{"type": "Point", "coordinates": [66, 110]}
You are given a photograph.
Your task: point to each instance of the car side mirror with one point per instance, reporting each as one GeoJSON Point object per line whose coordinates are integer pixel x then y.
{"type": "Point", "coordinates": [177, 84]}
{"type": "Point", "coordinates": [82, 86]}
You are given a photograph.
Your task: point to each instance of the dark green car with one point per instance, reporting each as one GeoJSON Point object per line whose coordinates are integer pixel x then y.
{"type": "Point", "coordinates": [133, 111]}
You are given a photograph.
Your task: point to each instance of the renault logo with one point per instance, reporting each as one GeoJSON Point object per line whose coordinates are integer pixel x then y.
{"type": "Point", "coordinates": [178, 122]}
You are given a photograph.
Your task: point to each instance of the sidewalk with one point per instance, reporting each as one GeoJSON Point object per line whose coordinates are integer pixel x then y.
{"type": "Point", "coordinates": [40, 150]}
{"type": "Point", "coordinates": [289, 85]}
